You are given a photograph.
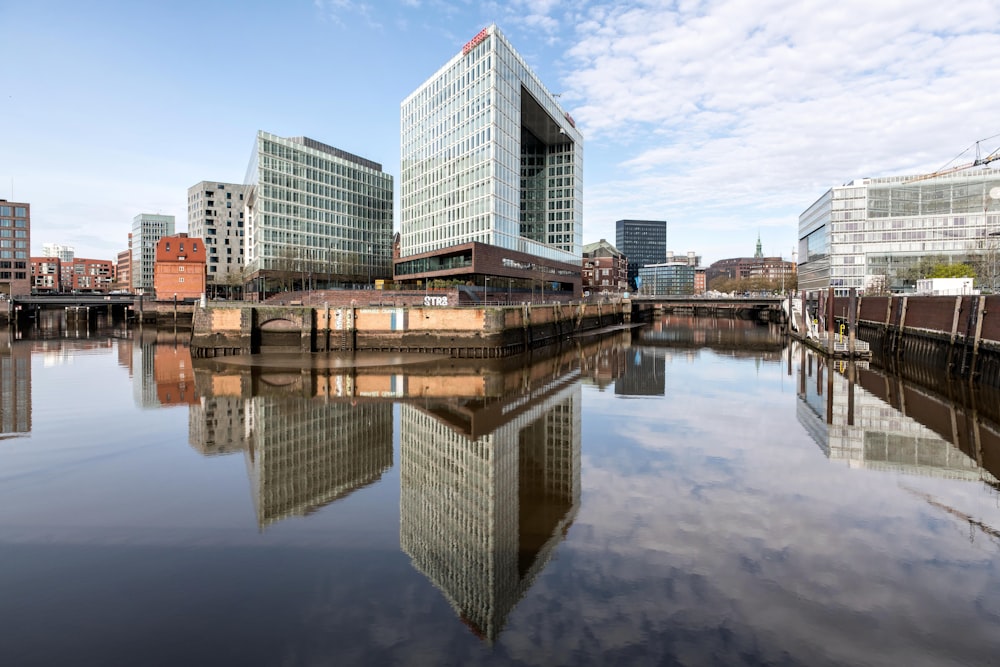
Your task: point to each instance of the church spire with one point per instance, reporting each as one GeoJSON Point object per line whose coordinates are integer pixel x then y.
{"type": "Point", "coordinates": [759, 253]}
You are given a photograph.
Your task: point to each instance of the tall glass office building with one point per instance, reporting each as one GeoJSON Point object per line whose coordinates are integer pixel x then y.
{"type": "Point", "coordinates": [643, 242]}
{"type": "Point", "coordinates": [316, 216]}
{"type": "Point", "coordinates": [491, 175]}
{"type": "Point", "coordinates": [866, 234]}
{"type": "Point", "coordinates": [147, 230]}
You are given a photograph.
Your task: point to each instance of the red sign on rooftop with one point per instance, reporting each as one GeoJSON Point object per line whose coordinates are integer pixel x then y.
{"type": "Point", "coordinates": [475, 41]}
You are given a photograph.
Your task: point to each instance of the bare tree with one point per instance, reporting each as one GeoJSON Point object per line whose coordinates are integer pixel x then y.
{"type": "Point", "coordinates": [987, 264]}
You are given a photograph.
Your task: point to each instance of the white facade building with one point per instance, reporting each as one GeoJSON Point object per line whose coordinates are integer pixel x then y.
{"type": "Point", "coordinates": [147, 230]}
{"type": "Point", "coordinates": [64, 253]}
{"type": "Point", "coordinates": [216, 213]}
{"type": "Point", "coordinates": [489, 157]}
{"type": "Point", "coordinates": [866, 233]}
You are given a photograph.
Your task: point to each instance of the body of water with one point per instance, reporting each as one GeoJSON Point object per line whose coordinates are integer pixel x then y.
{"type": "Point", "coordinates": [694, 492]}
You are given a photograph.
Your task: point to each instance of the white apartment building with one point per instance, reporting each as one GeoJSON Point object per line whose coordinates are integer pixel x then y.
{"type": "Point", "coordinates": [64, 253]}
{"type": "Point", "coordinates": [216, 213]}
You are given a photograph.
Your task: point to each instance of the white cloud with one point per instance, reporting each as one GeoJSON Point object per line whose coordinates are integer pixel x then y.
{"type": "Point", "coordinates": [733, 103]}
{"type": "Point", "coordinates": [337, 10]}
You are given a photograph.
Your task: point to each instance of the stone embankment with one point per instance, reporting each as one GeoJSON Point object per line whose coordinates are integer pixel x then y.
{"type": "Point", "coordinates": [462, 332]}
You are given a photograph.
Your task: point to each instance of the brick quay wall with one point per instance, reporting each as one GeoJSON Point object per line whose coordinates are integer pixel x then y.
{"type": "Point", "coordinates": [462, 332]}
{"type": "Point", "coordinates": [931, 337]}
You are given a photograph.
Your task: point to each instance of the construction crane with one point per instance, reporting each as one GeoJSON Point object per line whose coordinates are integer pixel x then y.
{"type": "Point", "coordinates": [978, 162]}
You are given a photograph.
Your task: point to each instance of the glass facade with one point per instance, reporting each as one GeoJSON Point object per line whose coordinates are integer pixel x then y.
{"type": "Point", "coordinates": [489, 156]}
{"type": "Point", "coordinates": [865, 233]}
{"type": "Point", "coordinates": [643, 242]}
{"type": "Point", "coordinates": [674, 279]}
{"type": "Point", "coordinates": [317, 209]}
{"type": "Point", "coordinates": [147, 230]}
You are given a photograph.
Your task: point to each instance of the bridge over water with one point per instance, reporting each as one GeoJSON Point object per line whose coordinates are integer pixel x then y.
{"type": "Point", "coordinates": [762, 308]}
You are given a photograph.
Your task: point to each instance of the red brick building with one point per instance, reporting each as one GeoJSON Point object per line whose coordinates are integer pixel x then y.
{"type": "Point", "coordinates": [88, 275]}
{"type": "Point", "coordinates": [46, 275]}
{"type": "Point", "coordinates": [15, 248]}
{"type": "Point", "coordinates": [700, 284]}
{"type": "Point", "coordinates": [605, 268]}
{"type": "Point", "coordinates": [179, 268]}
{"type": "Point", "coordinates": [50, 274]}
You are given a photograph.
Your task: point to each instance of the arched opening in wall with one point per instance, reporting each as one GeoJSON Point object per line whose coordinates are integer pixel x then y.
{"type": "Point", "coordinates": [280, 335]}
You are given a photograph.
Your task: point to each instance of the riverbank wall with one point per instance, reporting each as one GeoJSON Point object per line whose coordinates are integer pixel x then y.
{"type": "Point", "coordinates": [958, 336]}
{"type": "Point", "coordinates": [463, 332]}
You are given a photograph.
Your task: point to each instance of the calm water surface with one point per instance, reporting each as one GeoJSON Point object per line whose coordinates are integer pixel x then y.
{"type": "Point", "coordinates": [697, 492]}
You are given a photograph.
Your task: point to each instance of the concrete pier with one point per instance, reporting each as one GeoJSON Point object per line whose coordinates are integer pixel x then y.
{"type": "Point", "coordinates": [461, 332]}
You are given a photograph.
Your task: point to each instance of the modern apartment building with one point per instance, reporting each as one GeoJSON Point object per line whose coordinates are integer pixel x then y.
{"type": "Point", "coordinates": [492, 176]}
{"type": "Point", "coordinates": [216, 213]}
{"type": "Point", "coordinates": [46, 275]}
{"type": "Point", "coordinates": [868, 233]}
{"type": "Point", "coordinates": [147, 230]}
{"type": "Point", "coordinates": [77, 274]}
{"type": "Point", "coordinates": [123, 268]}
{"type": "Point", "coordinates": [315, 216]}
{"type": "Point", "coordinates": [643, 242]}
{"type": "Point", "coordinates": [15, 248]}
{"type": "Point", "coordinates": [65, 253]}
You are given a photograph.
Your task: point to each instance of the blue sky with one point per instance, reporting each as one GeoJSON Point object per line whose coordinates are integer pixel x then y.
{"type": "Point", "coordinates": [727, 118]}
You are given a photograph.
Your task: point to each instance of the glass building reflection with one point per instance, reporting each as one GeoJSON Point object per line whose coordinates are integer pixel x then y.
{"type": "Point", "coordinates": [489, 487]}
{"type": "Point", "coordinates": [302, 450]}
{"type": "Point", "coordinates": [489, 456]}
{"type": "Point", "coordinates": [305, 454]}
{"type": "Point", "coordinates": [868, 419]}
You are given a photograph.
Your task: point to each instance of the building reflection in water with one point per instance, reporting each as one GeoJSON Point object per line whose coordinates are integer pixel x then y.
{"type": "Point", "coordinates": [867, 419]}
{"type": "Point", "coordinates": [15, 386]}
{"type": "Point", "coordinates": [490, 484]}
{"type": "Point", "coordinates": [644, 367]}
{"type": "Point", "coordinates": [305, 454]}
{"type": "Point", "coordinates": [303, 451]}
{"type": "Point", "coordinates": [161, 368]}
{"type": "Point", "coordinates": [732, 336]}
{"type": "Point", "coordinates": [490, 456]}
{"type": "Point", "coordinates": [54, 340]}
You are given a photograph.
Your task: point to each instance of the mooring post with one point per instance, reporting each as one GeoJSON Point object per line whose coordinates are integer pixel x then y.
{"type": "Point", "coordinates": [902, 325]}
{"type": "Point", "coordinates": [851, 379]}
{"type": "Point", "coordinates": [979, 333]}
{"type": "Point", "coordinates": [851, 321]}
{"type": "Point", "coordinates": [830, 312]}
